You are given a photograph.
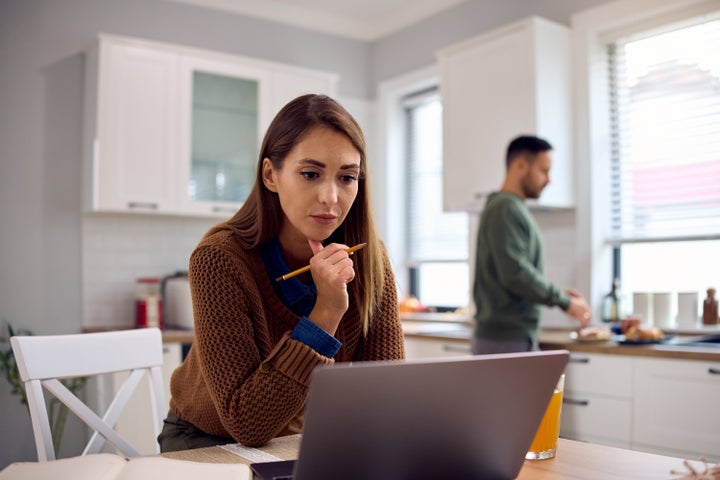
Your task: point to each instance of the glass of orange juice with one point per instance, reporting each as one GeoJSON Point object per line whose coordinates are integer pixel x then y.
{"type": "Point", "coordinates": [544, 445]}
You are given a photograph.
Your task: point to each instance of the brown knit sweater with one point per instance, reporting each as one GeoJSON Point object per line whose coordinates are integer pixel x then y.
{"type": "Point", "coordinates": [244, 377]}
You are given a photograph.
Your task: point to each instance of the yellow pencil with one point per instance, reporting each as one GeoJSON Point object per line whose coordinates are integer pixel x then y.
{"type": "Point", "coordinates": [304, 269]}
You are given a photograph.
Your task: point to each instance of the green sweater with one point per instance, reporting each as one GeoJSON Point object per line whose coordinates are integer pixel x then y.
{"type": "Point", "coordinates": [509, 282]}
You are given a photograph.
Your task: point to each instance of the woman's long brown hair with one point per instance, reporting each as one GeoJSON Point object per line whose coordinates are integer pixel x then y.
{"type": "Point", "coordinates": [260, 217]}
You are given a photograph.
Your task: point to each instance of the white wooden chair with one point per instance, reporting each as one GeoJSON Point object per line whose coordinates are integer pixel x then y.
{"type": "Point", "coordinates": [43, 360]}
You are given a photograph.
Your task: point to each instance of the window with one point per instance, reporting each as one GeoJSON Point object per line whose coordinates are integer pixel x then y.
{"type": "Point", "coordinates": [436, 242]}
{"type": "Point", "coordinates": [665, 135]}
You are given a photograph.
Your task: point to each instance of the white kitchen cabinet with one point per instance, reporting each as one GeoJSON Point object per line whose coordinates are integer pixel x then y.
{"type": "Point", "coordinates": [131, 124]}
{"type": "Point", "coordinates": [676, 408]}
{"type": "Point", "coordinates": [419, 348]}
{"type": "Point", "coordinates": [175, 130]}
{"type": "Point", "coordinates": [220, 131]}
{"type": "Point", "coordinates": [597, 401]}
{"type": "Point", "coordinates": [494, 87]}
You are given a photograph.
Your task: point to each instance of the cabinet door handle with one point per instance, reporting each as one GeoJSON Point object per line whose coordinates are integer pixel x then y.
{"type": "Point", "coordinates": [573, 401]}
{"type": "Point", "coordinates": [579, 360]}
{"type": "Point", "coordinates": [481, 195]}
{"type": "Point", "coordinates": [455, 348]}
{"type": "Point", "coordinates": [146, 205]}
{"type": "Point", "coordinates": [714, 371]}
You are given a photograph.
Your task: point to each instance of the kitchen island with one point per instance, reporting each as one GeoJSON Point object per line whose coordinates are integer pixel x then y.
{"type": "Point", "coordinates": [574, 460]}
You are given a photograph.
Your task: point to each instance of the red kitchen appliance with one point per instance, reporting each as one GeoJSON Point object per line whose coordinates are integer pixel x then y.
{"type": "Point", "coordinates": [148, 303]}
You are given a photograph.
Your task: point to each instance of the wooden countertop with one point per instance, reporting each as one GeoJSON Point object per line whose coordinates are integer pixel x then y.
{"type": "Point", "coordinates": [168, 335]}
{"type": "Point", "coordinates": [560, 339]}
{"type": "Point", "coordinates": [449, 331]}
{"type": "Point", "coordinates": [178, 336]}
{"type": "Point", "coordinates": [574, 460]}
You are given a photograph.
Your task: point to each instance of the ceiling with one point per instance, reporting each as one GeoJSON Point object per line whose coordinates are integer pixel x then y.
{"type": "Point", "coordinates": [358, 19]}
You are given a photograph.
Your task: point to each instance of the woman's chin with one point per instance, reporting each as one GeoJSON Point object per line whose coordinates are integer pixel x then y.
{"type": "Point", "coordinates": [319, 234]}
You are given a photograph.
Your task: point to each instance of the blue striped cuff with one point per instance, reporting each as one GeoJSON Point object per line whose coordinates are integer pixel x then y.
{"type": "Point", "coordinates": [316, 338]}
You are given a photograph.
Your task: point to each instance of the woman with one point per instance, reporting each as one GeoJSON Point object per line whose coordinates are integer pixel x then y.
{"type": "Point", "coordinates": [257, 340]}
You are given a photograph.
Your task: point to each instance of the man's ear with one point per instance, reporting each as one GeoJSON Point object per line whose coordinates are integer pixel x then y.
{"type": "Point", "coordinates": [268, 175]}
{"type": "Point", "coordinates": [522, 163]}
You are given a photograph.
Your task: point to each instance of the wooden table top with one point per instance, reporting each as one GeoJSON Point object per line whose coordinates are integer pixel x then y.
{"type": "Point", "coordinates": [574, 461]}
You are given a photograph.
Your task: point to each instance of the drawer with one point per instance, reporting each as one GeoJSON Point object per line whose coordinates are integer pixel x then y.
{"type": "Point", "coordinates": [596, 419]}
{"type": "Point", "coordinates": [431, 348]}
{"type": "Point", "coordinates": [607, 375]}
{"type": "Point", "coordinates": [676, 407]}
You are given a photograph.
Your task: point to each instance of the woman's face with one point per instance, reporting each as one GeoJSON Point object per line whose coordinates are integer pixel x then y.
{"type": "Point", "coordinates": [317, 185]}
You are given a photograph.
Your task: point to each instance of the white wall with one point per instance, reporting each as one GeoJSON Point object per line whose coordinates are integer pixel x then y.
{"type": "Point", "coordinates": [414, 47]}
{"type": "Point", "coordinates": [117, 249]}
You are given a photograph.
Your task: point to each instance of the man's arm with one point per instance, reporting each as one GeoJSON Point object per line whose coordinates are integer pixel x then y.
{"type": "Point", "coordinates": [509, 242]}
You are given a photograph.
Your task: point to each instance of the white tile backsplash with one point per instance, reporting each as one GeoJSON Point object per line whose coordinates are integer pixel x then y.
{"type": "Point", "coordinates": [119, 248]}
{"type": "Point", "coordinates": [558, 230]}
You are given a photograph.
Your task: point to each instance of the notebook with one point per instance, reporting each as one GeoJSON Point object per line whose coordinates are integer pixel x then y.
{"type": "Point", "coordinates": [456, 418]}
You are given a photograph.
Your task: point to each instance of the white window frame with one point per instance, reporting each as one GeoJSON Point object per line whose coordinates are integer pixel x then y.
{"type": "Point", "coordinates": [390, 196]}
{"type": "Point", "coordinates": [592, 30]}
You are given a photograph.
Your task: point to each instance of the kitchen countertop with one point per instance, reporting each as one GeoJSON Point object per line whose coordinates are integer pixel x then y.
{"type": "Point", "coordinates": [458, 328]}
{"type": "Point", "coordinates": [560, 339]}
{"type": "Point", "coordinates": [177, 336]}
{"type": "Point", "coordinates": [168, 335]}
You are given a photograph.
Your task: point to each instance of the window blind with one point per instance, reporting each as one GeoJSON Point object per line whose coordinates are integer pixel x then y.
{"type": "Point", "coordinates": [665, 136]}
{"type": "Point", "coordinates": [432, 235]}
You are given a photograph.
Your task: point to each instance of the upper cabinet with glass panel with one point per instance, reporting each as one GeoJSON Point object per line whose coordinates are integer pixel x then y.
{"type": "Point", "coordinates": [221, 119]}
{"type": "Point", "coordinates": [177, 131]}
{"type": "Point", "coordinates": [224, 137]}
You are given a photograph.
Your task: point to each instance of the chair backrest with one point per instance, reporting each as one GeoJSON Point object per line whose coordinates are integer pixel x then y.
{"type": "Point", "coordinates": [43, 360]}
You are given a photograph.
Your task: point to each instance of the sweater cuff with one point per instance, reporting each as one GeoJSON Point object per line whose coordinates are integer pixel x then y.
{"type": "Point", "coordinates": [294, 359]}
{"type": "Point", "coordinates": [564, 302]}
{"type": "Point", "coordinates": [316, 338]}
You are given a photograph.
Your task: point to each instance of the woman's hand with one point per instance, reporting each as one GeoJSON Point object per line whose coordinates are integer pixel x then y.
{"type": "Point", "coordinates": [331, 269]}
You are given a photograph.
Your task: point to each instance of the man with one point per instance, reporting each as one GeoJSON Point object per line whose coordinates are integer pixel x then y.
{"type": "Point", "coordinates": [509, 282]}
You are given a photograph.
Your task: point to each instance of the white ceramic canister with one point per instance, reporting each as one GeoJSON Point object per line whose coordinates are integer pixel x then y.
{"type": "Point", "coordinates": [688, 309]}
{"type": "Point", "coordinates": [178, 302]}
{"type": "Point", "coordinates": [662, 310]}
{"type": "Point", "coordinates": [642, 307]}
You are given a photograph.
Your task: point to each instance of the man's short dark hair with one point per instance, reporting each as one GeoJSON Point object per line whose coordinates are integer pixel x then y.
{"type": "Point", "coordinates": [524, 145]}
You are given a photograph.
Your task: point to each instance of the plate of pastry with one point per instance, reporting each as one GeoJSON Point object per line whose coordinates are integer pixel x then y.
{"type": "Point", "coordinates": [643, 335]}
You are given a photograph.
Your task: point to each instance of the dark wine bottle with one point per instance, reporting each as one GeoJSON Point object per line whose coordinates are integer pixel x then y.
{"type": "Point", "coordinates": [611, 303]}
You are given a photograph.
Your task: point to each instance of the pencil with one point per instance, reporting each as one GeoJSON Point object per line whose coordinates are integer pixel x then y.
{"type": "Point", "coordinates": [304, 269]}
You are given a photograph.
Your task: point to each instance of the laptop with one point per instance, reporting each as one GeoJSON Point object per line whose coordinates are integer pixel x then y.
{"type": "Point", "coordinates": [455, 418]}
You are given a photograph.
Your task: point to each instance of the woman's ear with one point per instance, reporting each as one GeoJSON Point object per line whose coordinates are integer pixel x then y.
{"type": "Point", "coordinates": [268, 175]}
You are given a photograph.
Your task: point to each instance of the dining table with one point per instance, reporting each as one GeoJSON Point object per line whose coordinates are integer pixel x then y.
{"type": "Point", "coordinates": [574, 460]}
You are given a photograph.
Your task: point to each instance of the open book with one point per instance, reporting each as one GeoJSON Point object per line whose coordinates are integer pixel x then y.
{"type": "Point", "coordinates": [107, 466]}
